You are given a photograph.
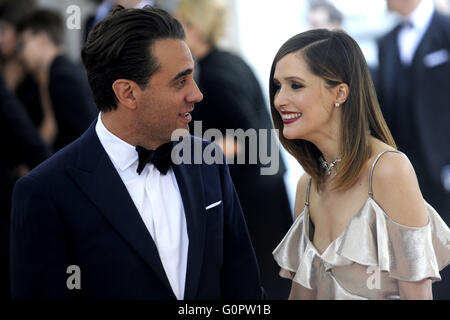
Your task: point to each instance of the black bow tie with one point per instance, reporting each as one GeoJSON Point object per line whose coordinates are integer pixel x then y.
{"type": "Point", "coordinates": [407, 24]}
{"type": "Point", "coordinates": [161, 157]}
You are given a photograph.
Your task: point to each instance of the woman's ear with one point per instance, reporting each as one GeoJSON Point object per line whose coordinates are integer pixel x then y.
{"type": "Point", "coordinates": [342, 91]}
{"type": "Point", "coordinates": [125, 91]}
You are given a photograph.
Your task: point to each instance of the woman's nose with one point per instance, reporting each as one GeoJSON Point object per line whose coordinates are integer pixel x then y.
{"type": "Point", "coordinates": [280, 99]}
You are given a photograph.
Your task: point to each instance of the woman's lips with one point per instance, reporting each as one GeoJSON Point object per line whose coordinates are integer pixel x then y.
{"type": "Point", "coordinates": [290, 117]}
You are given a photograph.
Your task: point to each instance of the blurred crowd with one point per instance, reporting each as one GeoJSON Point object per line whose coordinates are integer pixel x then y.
{"type": "Point", "coordinates": [46, 100]}
{"type": "Point", "coordinates": [46, 103]}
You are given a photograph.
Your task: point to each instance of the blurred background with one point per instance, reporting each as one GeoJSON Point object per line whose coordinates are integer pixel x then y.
{"type": "Point", "coordinates": [257, 28]}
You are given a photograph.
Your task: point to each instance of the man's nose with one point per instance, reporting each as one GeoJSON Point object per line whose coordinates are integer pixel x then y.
{"type": "Point", "coordinates": [196, 95]}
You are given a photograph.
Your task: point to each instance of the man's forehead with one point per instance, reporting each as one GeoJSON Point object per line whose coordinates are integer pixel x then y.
{"type": "Point", "coordinates": [172, 55]}
{"type": "Point", "coordinates": [28, 33]}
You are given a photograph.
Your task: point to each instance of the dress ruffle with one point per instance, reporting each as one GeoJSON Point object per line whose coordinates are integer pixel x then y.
{"type": "Point", "coordinates": [370, 239]}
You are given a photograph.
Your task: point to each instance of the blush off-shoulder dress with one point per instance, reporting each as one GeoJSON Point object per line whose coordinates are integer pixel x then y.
{"type": "Point", "coordinates": [368, 258]}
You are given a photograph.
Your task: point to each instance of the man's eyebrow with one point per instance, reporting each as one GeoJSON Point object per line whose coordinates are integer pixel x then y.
{"type": "Point", "coordinates": [182, 74]}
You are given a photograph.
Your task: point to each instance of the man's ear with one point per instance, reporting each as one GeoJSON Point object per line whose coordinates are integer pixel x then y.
{"type": "Point", "coordinates": [125, 91]}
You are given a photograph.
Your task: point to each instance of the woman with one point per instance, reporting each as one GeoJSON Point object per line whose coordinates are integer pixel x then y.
{"type": "Point", "coordinates": [233, 99]}
{"type": "Point", "coordinates": [362, 228]}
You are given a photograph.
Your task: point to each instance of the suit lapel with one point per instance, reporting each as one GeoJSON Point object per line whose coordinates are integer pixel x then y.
{"type": "Point", "coordinates": [425, 46]}
{"type": "Point", "coordinates": [100, 182]}
{"type": "Point", "coordinates": [392, 63]}
{"type": "Point", "coordinates": [191, 188]}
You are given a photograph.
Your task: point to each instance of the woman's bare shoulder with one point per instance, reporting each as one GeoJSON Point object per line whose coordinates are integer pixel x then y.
{"type": "Point", "coordinates": [379, 146]}
{"type": "Point", "coordinates": [396, 190]}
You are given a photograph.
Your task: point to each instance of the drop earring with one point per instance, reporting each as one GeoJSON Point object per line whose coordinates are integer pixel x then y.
{"type": "Point", "coordinates": [337, 105]}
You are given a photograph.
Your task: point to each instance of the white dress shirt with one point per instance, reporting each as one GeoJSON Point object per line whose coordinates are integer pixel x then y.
{"type": "Point", "coordinates": [409, 37]}
{"type": "Point", "coordinates": [144, 3]}
{"type": "Point", "coordinates": [158, 201]}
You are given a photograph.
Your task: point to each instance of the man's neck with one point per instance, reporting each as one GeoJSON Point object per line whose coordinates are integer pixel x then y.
{"type": "Point", "coordinates": [121, 125]}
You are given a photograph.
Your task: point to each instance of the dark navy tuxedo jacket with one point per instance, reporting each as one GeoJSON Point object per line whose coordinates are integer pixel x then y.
{"type": "Point", "coordinates": [75, 210]}
{"type": "Point", "coordinates": [430, 101]}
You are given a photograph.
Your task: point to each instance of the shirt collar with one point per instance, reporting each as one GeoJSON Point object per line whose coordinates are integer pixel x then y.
{"type": "Point", "coordinates": [121, 153]}
{"type": "Point", "coordinates": [144, 3]}
{"type": "Point", "coordinates": [422, 14]}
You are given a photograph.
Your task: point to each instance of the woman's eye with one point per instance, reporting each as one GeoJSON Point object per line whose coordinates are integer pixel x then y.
{"type": "Point", "coordinates": [276, 86]}
{"type": "Point", "coordinates": [296, 86]}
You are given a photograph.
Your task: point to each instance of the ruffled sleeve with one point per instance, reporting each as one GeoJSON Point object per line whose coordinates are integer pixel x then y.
{"type": "Point", "coordinates": [406, 253]}
{"type": "Point", "coordinates": [297, 259]}
{"type": "Point", "coordinates": [288, 252]}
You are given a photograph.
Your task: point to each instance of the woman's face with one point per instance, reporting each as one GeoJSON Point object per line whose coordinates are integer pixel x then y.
{"type": "Point", "coordinates": [304, 101]}
{"type": "Point", "coordinates": [194, 37]}
{"type": "Point", "coordinates": [8, 39]}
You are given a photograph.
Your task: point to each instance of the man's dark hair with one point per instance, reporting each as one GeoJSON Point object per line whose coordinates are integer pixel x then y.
{"type": "Point", "coordinates": [46, 21]}
{"type": "Point", "coordinates": [119, 47]}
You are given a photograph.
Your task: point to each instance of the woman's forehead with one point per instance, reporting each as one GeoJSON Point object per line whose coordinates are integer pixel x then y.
{"type": "Point", "coordinates": [292, 64]}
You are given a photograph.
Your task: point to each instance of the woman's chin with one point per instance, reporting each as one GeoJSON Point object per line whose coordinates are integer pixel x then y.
{"type": "Point", "coordinates": [290, 134]}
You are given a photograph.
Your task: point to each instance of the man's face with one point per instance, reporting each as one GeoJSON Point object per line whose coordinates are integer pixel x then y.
{"type": "Point", "coordinates": [165, 104]}
{"type": "Point", "coordinates": [318, 18]}
{"type": "Point", "coordinates": [394, 5]}
{"type": "Point", "coordinates": [403, 7]}
{"type": "Point", "coordinates": [31, 48]}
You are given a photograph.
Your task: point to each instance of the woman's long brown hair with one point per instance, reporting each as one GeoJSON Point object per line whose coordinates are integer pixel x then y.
{"type": "Point", "coordinates": [337, 58]}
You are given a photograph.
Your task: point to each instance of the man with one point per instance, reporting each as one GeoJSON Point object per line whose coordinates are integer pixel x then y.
{"type": "Point", "coordinates": [64, 89]}
{"type": "Point", "coordinates": [414, 75]}
{"type": "Point", "coordinates": [132, 230]}
{"type": "Point", "coordinates": [323, 14]}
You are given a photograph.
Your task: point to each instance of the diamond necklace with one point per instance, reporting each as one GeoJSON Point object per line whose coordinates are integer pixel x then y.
{"type": "Point", "coordinates": [328, 166]}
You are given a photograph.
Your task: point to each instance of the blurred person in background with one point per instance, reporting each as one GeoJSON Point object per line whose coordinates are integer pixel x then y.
{"type": "Point", "coordinates": [22, 146]}
{"type": "Point", "coordinates": [323, 14]}
{"type": "Point", "coordinates": [413, 89]}
{"type": "Point", "coordinates": [20, 116]}
{"type": "Point", "coordinates": [442, 6]}
{"type": "Point", "coordinates": [17, 78]}
{"type": "Point", "coordinates": [233, 99]}
{"type": "Point", "coordinates": [11, 12]}
{"type": "Point", "coordinates": [63, 84]}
